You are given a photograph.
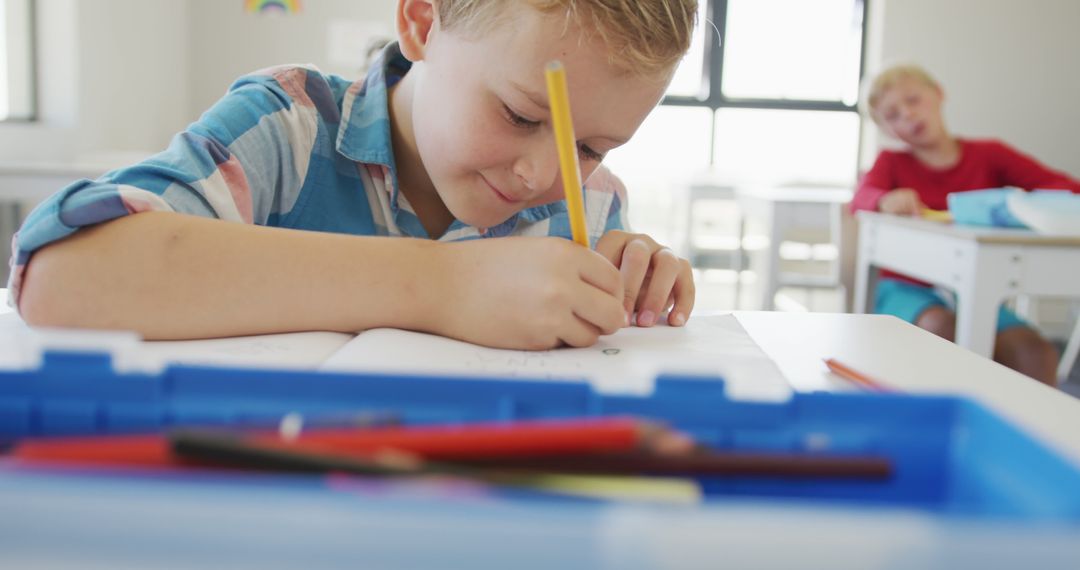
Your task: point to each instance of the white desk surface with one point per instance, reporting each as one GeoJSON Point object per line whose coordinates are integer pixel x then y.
{"type": "Point", "coordinates": [980, 234]}
{"type": "Point", "coordinates": [913, 360]}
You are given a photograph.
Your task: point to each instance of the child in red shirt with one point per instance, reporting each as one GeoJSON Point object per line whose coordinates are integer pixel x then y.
{"type": "Point", "coordinates": [905, 102]}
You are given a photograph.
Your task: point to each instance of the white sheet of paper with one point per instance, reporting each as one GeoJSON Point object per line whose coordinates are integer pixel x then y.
{"type": "Point", "coordinates": [625, 362]}
{"type": "Point", "coordinates": [21, 346]}
{"type": "Point", "coordinates": [302, 350]}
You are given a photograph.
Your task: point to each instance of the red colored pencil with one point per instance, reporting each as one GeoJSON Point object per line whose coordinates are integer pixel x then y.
{"type": "Point", "coordinates": [466, 441]}
{"type": "Point", "coordinates": [850, 374]}
{"type": "Point", "coordinates": [522, 438]}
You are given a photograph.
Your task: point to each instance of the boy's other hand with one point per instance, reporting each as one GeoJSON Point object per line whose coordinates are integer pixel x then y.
{"type": "Point", "coordinates": [902, 202]}
{"type": "Point", "coordinates": [527, 293]}
{"type": "Point", "coordinates": [653, 277]}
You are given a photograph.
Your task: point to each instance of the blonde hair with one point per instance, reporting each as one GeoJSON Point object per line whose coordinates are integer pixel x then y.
{"type": "Point", "coordinates": [882, 82]}
{"type": "Point", "coordinates": [644, 37]}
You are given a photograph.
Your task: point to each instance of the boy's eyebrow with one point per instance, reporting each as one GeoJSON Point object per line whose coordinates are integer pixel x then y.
{"type": "Point", "coordinates": [541, 102]}
{"type": "Point", "coordinates": [536, 98]}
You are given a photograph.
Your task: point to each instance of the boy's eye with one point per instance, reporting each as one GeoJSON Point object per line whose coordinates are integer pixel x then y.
{"type": "Point", "coordinates": [517, 120]}
{"type": "Point", "coordinates": [589, 153]}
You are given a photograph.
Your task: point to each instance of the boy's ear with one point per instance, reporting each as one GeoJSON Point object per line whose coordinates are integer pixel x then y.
{"type": "Point", "coordinates": [415, 20]}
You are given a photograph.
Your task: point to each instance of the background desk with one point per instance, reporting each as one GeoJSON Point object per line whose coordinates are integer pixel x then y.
{"type": "Point", "coordinates": [782, 207]}
{"type": "Point", "coordinates": [779, 210]}
{"type": "Point", "coordinates": [983, 266]}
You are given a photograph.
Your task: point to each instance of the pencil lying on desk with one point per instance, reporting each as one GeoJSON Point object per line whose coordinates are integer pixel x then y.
{"type": "Point", "coordinates": [566, 144]}
{"type": "Point", "coordinates": [854, 376]}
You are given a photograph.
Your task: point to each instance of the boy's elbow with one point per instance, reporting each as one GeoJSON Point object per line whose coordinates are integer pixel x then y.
{"type": "Point", "coordinates": [41, 302]}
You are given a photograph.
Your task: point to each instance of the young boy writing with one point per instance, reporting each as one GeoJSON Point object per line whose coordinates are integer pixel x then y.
{"type": "Point", "coordinates": [905, 102]}
{"type": "Point", "coordinates": [374, 203]}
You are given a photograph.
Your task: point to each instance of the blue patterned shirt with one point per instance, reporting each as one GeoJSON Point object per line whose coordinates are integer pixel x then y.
{"type": "Point", "coordinates": [294, 148]}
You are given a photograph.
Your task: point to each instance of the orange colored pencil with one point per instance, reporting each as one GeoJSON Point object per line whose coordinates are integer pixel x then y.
{"type": "Point", "coordinates": [854, 376]}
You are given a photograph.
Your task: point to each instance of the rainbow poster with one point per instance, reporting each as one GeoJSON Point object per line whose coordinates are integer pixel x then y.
{"type": "Point", "coordinates": [278, 6]}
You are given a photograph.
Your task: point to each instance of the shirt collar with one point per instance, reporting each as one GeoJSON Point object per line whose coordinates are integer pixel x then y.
{"type": "Point", "coordinates": [364, 135]}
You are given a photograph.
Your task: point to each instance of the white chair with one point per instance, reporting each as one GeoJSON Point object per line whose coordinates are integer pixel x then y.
{"type": "Point", "coordinates": [701, 254]}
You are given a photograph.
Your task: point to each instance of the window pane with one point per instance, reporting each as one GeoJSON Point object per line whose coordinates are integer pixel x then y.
{"type": "Point", "coordinates": [689, 80]}
{"type": "Point", "coordinates": [787, 146]}
{"type": "Point", "coordinates": [671, 146]}
{"type": "Point", "coordinates": [793, 49]}
{"type": "Point", "coordinates": [16, 61]}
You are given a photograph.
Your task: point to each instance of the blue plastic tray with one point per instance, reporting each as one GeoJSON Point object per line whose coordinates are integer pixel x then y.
{"type": "Point", "coordinates": [950, 455]}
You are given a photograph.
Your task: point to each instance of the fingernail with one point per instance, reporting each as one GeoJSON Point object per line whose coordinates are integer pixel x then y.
{"type": "Point", "coordinates": [679, 319]}
{"type": "Point", "coordinates": [646, 319]}
{"type": "Point", "coordinates": [626, 319]}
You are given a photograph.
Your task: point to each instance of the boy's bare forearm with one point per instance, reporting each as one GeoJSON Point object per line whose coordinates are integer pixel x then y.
{"type": "Point", "coordinates": [170, 276]}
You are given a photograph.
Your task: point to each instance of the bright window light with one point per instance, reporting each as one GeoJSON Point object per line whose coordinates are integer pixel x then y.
{"type": "Point", "coordinates": [16, 60]}
{"type": "Point", "coordinates": [793, 49]}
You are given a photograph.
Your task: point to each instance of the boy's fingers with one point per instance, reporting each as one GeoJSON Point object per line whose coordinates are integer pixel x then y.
{"type": "Point", "coordinates": [666, 267]}
{"type": "Point", "coordinates": [635, 264]}
{"type": "Point", "coordinates": [603, 276]}
{"type": "Point", "coordinates": [684, 293]}
{"type": "Point", "coordinates": [580, 333]}
{"type": "Point", "coordinates": [610, 245]}
{"type": "Point", "coordinates": [602, 312]}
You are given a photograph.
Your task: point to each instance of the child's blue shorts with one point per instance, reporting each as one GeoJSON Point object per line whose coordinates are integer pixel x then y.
{"type": "Point", "coordinates": [908, 301]}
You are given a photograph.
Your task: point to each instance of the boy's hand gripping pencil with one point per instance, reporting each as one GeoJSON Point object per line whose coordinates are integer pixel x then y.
{"type": "Point", "coordinates": [566, 143]}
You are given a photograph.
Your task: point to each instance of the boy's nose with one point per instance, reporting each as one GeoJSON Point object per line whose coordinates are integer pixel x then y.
{"type": "Point", "coordinates": [538, 167]}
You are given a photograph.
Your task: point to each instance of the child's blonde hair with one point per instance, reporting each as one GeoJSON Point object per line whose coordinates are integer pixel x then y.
{"type": "Point", "coordinates": [885, 80]}
{"type": "Point", "coordinates": [644, 37]}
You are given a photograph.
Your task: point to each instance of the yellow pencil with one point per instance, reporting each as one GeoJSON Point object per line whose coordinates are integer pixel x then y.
{"type": "Point", "coordinates": [566, 144]}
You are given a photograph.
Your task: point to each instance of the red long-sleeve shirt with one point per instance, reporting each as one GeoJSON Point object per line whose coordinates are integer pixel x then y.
{"type": "Point", "coordinates": [983, 164]}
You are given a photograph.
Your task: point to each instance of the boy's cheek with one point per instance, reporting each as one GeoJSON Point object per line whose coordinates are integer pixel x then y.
{"type": "Point", "coordinates": [553, 194]}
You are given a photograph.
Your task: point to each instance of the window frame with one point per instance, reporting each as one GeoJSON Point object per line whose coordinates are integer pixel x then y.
{"type": "Point", "coordinates": [33, 111]}
{"type": "Point", "coordinates": [713, 73]}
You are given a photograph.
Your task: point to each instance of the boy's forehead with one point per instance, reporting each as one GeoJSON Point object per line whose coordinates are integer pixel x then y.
{"type": "Point", "coordinates": [908, 83]}
{"type": "Point", "coordinates": [605, 97]}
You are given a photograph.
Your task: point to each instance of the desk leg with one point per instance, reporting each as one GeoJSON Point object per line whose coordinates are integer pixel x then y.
{"type": "Point", "coordinates": [740, 253]}
{"type": "Point", "coordinates": [866, 274]}
{"type": "Point", "coordinates": [1068, 358]}
{"type": "Point", "coordinates": [983, 280]}
{"type": "Point", "coordinates": [770, 273]}
{"type": "Point", "coordinates": [976, 321]}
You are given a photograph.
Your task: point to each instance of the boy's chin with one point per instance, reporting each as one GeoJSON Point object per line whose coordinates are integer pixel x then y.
{"type": "Point", "coordinates": [483, 219]}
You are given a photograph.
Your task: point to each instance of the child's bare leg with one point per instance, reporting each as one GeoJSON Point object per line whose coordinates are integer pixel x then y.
{"type": "Point", "coordinates": [940, 321]}
{"type": "Point", "coordinates": [1025, 351]}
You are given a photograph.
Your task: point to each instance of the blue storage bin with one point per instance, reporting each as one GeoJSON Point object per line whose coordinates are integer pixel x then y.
{"type": "Point", "coordinates": [987, 207]}
{"type": "Point", "coordinates": [950, 455]}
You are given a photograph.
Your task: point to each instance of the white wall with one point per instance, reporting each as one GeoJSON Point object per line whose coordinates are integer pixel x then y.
{"type": "Point", "coordinates": [227, 43]}
{"type": "Point", "coordinates": [133, 80]}
{"type": "Point", "coordinates": [112, 76]}
{"type": "Point", "coordinates": [1010, 70]}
